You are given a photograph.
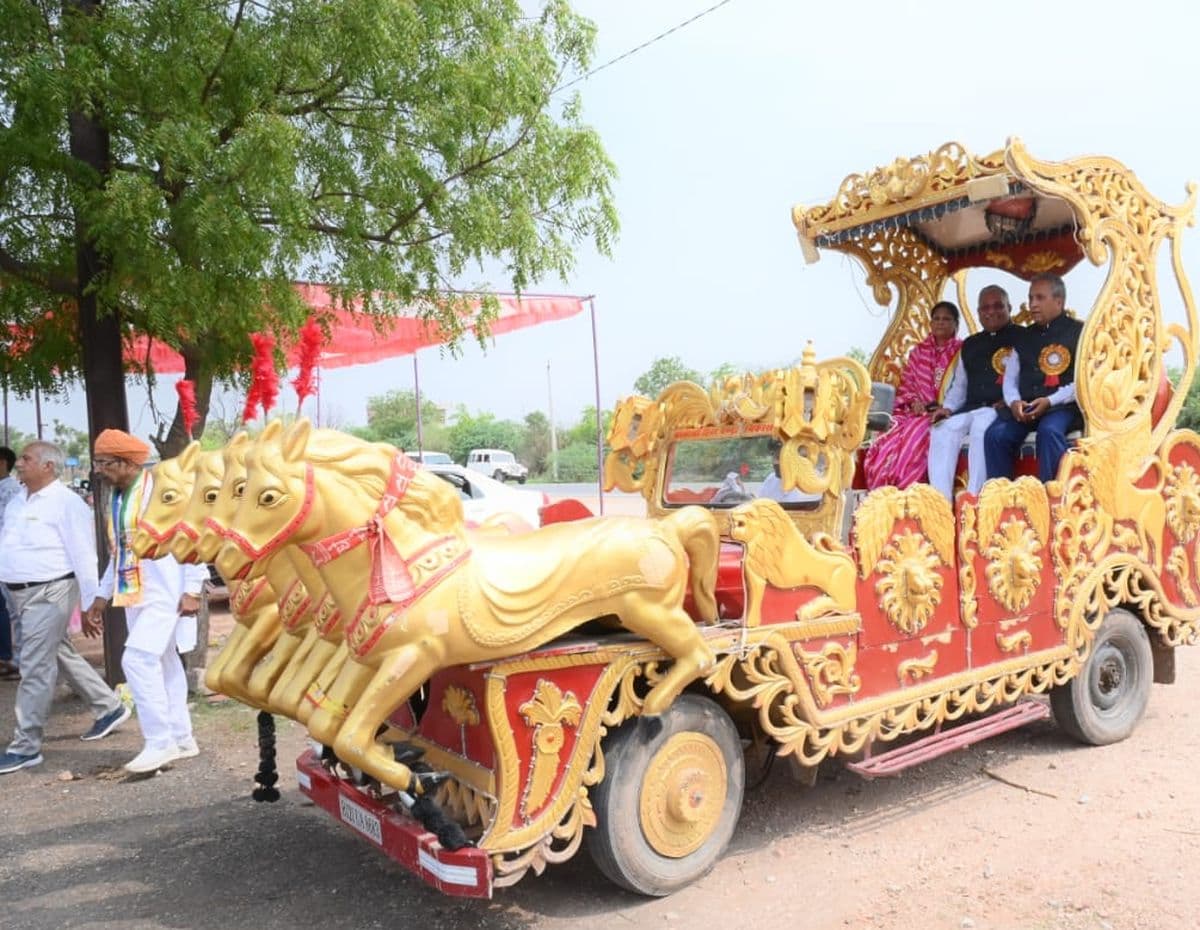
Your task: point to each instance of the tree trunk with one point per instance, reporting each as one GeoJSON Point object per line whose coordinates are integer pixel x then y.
{"type": "Point", "coordinates": [177, 438]}
{"type": "Point", "coordinates": [99, 333]}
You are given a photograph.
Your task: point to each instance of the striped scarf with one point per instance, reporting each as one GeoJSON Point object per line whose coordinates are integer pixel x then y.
{"type": "Point", "coordinates": [125, 511]}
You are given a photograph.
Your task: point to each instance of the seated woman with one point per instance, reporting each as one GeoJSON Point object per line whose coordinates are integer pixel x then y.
{"type": "Point", "coordinates": [900, 456]}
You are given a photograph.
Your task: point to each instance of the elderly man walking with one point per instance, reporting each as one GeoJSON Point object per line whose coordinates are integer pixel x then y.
{"type": "Point", "coordinates": [47, 559]}
{"type": "Point", "coordinates": [160, 597]}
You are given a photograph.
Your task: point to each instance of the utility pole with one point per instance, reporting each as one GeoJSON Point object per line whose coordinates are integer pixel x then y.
{"type": "Point", "coordinates": [553, 431]}
{"type": "Point", "coordinates": [37, 410]}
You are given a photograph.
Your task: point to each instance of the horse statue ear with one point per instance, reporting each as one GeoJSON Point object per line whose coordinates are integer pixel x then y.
{"type": "Point", "coordinates": [237, 439]}
{"type": "Point", "coordinates": [187, 458]}
{"type": "Point", "coordinates": [271, 431]}
{"type": "Point", "coordinates": [295, 439]}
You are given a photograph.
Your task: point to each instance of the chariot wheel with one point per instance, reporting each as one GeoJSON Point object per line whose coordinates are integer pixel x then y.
{"type": "Point", "coordinates": [670, 799]}
{"type": "Point", "coordinates": [1105, 701]}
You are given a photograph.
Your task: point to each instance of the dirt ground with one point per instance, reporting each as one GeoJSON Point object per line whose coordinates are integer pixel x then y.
{"type": "Point", "coordinates": [1025, 832]}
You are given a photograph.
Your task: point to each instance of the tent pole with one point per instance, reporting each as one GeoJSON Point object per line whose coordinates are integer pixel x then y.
{"type": "Point", "coordinates": [599, 417]}
{"type": "Point", "coordinates": [37, 410]}
{"type": "Point", "coordinates": [417, 397]}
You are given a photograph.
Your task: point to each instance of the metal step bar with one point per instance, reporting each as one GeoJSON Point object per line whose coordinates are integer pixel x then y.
{"type": "Point", "coordinates": [895, 761]}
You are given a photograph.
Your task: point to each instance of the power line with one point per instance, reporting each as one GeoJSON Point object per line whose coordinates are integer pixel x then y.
{"type": "Point", "coordinates": [646, 44]}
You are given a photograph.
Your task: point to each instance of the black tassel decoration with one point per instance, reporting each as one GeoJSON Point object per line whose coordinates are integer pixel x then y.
{"type": "Point", "coordinates": [266, 777]}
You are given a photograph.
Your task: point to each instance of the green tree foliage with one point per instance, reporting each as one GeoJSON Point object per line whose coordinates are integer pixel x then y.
{"type": "Point", "coordinates": [859, 355]}
{"type": "Point", "coordinates": [1189, 413]}
{"type": "Point", "coordinates": [584, 432]}
{"type": "Point", "coordinates": [481, 432]}
{"type": "Point", "coordinates": [385, 147]}
{"type": "Point", "coordinates": [664, 371]}
{"type": "Point", "coordinates": [534, 448]}
{"type": "Point", "coordinates": [392, 417]}
{"type": "Point", "coordinates": [577, 462]}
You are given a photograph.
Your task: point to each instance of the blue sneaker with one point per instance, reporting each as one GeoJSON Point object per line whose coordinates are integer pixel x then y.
{"type": "Point", "coordinates": [13, 761]}
{"type": "Point", "coordinates": [106, 724]}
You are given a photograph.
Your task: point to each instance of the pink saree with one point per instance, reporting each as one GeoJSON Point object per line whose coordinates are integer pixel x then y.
{"type": "Point", "coordinates": [900, 456]}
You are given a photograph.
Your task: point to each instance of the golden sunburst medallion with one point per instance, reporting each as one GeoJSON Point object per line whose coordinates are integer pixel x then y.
{"type": "Point", "coordinates": [1182, 492]}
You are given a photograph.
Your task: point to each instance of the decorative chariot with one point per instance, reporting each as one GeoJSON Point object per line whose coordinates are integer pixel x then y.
{"type": "Point", "coordinates": [488, 701]}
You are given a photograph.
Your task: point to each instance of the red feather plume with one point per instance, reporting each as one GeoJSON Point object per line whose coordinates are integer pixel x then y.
{"type": "Point", "coordinates": [310, 351]}
{"type": "Point", "coordinates": [264, 379]}
{"type": "Point", "coordinates": [187, 404]}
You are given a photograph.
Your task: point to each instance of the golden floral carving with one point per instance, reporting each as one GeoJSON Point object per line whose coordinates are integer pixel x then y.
{"type": "Point", "coordinates": [831, 671]}
{"type": "Point", "coordinates": [1038, 262]}
{"type": "Point", "coordinates": [968, 545]}
{"type": "Point", "coordinates": [909, 586]}
{"type": "Point", "coordinates": [1014, 568]}
{"type": "Point", "coordinates": [459, 705]}
{"type": "Point", "coordinates": [916, 669]}
{"type": "Point", "coordinates": [999, 260]}
{"type": "Point", "coordinates": [549, 712]}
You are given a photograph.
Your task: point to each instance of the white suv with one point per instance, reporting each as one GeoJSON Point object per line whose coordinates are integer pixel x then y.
{"type": "Point", "coordinates": [498, 464]}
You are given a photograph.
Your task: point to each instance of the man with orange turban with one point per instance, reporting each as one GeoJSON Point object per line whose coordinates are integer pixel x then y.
{"type": "Point", "coordinates": [160, 598]}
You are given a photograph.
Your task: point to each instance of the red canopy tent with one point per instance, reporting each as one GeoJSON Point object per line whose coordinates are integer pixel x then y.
{"type": "Point", "coordinates": [358, 338]}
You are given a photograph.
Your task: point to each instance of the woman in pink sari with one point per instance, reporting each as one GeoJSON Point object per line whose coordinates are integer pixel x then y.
{"type": "Point", "coordinates": [901, 455]}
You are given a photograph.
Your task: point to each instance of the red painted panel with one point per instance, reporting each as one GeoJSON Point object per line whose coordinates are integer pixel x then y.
{"type": "Point", "coordinates": [879, 666]}
{"type": "Point", "coordinates": [464, 873]}
{"type": "Point", "coordinates": [985, 638]}
{"type": "Point", "coordinates": [474, 741]}
{"type": "Point", "coordinates": [578, 681]}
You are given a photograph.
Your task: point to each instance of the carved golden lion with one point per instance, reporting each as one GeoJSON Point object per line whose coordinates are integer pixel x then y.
{"type": "Point", "coordinates": [779, 554]}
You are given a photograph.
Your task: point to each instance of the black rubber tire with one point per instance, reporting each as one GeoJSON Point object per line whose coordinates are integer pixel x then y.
{"type": "Point", "coordinates": [521, 480]}
{"type": "Point", "coordinates": [1105, 701]}
{"type": "Point", "coordinates": [619, 845]}
{"type": "Point", "coordinates": [499, 476]}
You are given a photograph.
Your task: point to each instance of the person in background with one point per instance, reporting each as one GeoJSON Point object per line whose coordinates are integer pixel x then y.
{"type": "Point", "coordinates": [47, 560]}
{"type": "Point", "coordinates": [772, 486]}
{"type": "Point", "coordinates": [9, 667]}
{"type": "Point", "coordinates": [974, 397]}
{"type": "Point", "coordinates": [161, 599]}
{"type": "Point", "coordinates": [1039, 385]}
{"type": "Point", "coordinates": [900, 456]}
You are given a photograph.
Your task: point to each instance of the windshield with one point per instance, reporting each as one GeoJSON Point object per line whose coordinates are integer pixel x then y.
{"type": "Point", "coordinates": [435, 458]}
{"type": "Point", "coordinates": [725, 472]}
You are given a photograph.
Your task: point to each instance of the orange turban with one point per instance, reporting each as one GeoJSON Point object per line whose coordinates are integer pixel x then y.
{"type": "Point", "coordinates": [121, 445]}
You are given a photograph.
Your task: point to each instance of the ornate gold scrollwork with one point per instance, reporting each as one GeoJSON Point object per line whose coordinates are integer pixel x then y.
{"type": "Point", "coordinates": [1022, 639]}
{"type": "Point", "coordinates": [916, 669]}
{"type": "Point", "coordinates": [831, 671]}
{"type": "Point", "coordinates": [968, 544]}
{"type": "Point", "coordinates": [1182, 492]}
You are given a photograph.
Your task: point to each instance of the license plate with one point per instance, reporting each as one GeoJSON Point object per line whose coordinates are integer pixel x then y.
{"type": "Point", "coordinates": [361, 819]}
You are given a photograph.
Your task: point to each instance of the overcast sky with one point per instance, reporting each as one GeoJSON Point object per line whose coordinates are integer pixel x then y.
{"type": "Point", "coordinates": [721, 127]}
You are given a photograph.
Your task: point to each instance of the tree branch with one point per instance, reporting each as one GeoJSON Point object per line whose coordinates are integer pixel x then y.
{"type": "Point", "coordinates": [56, 284]}
{"type": "Point", "coordinates": [212, 75]}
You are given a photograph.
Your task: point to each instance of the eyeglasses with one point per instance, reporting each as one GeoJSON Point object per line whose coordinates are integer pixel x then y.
{"type": "Point", "coordinates": [106, 463]}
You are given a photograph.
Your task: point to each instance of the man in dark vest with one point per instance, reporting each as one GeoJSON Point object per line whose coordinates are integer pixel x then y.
{"type": "Point", "coordinates": [974, 395]}
{"type": "Point", "coordinates": [1039, 385]}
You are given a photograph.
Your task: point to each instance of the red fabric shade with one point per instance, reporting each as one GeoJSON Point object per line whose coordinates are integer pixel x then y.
{"type": "Point", "coordinates": [358, 338]}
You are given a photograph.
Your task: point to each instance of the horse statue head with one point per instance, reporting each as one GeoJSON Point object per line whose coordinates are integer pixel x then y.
{"type": "Point", "coordinates": [222, 502]}
{"type": "Point", "coordinates": [306, 486]}
{"type": "Point", "coordinates": [206, 478]}
{"type": "Point", "coordinates": [171, 482]}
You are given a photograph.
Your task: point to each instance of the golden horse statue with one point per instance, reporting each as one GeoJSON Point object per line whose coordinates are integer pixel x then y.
{"type": "Point", "coordinates": [172, 481]}
{"type": "Point", "coordinates": [438, 598]}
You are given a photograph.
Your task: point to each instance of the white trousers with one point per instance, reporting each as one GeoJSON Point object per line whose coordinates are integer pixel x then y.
{"type": "Point", "coordinates": [945, 441]}
{"type": "Point", "coordinates": [159, 686]}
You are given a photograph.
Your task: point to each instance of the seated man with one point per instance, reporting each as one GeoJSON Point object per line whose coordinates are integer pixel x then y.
{"type": "Point", "coordinates": [974, 396]}
{"type": "Point", "coordinates": [1039, 385]}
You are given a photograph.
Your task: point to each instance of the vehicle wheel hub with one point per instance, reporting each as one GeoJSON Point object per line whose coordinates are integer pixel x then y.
{"type": "Point", "coordinates": [683, 794]}
{"type": "Point", "coordinates": [1110, 678]}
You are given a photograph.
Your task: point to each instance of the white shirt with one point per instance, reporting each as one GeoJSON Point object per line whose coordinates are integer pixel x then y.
{"type": "Point", "coordinates": [46, 535]}
{"type": "Point", "coordinates": [1012, 370]}
{"type": "Point", "coordinates": [9, 485]}
{"type": "Point", "coordinates": [772, 488]}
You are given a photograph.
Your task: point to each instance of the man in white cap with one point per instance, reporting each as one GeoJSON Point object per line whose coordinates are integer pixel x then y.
{"type": "Point", "coordinates": [160, 598]}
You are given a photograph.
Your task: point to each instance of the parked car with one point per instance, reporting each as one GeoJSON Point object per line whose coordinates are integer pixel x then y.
{"type": "Point", "coordinates": [483, 497]}
{"type": "Point", "coordinates": [431, 458]}
{"type": "Point", "coordinates": [497, 463]}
